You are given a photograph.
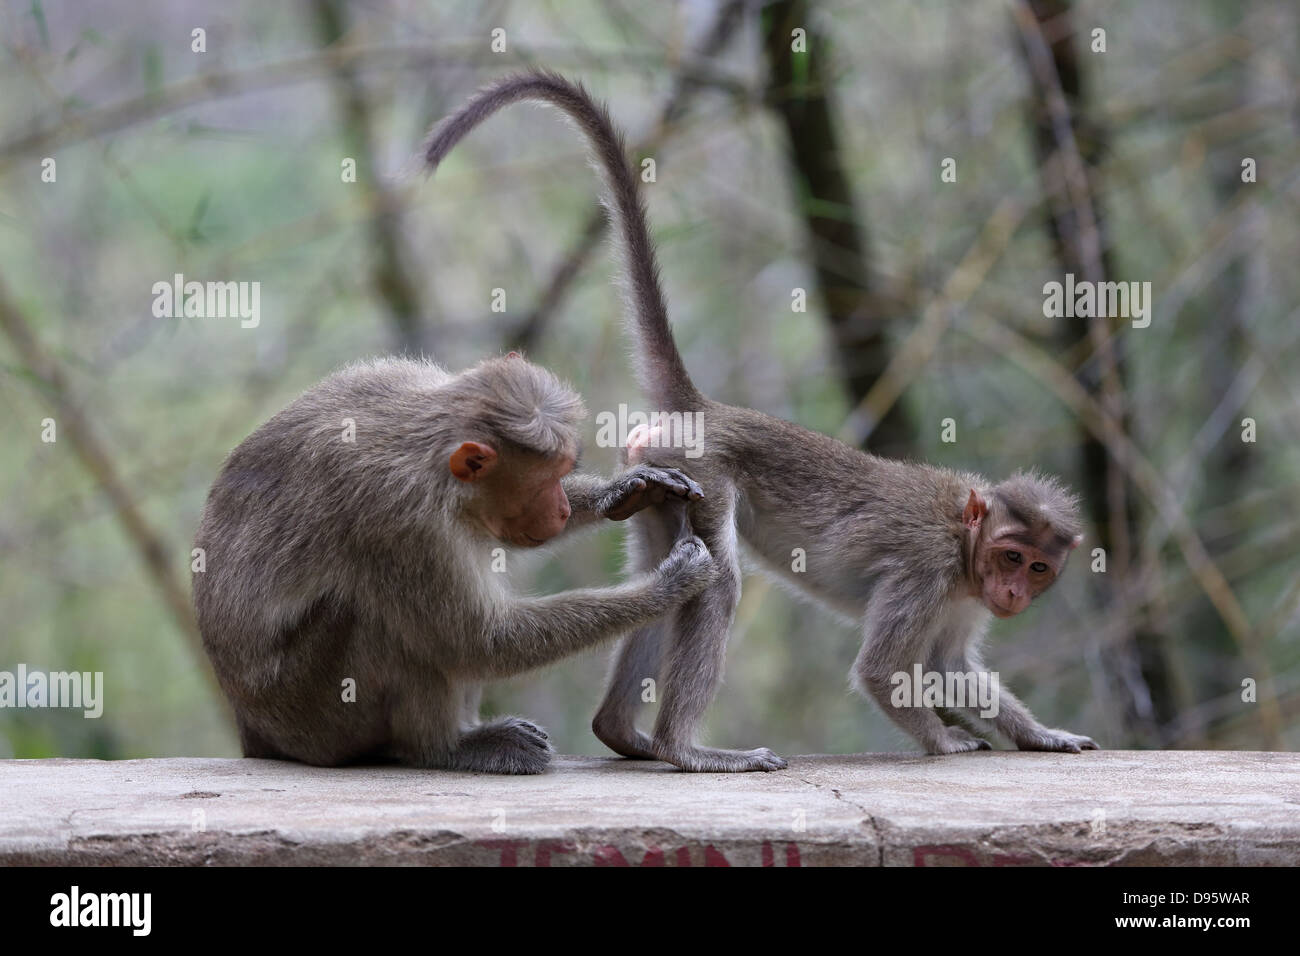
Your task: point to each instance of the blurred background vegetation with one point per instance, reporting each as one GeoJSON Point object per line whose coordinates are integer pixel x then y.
{"type": "Point", "coordinates": [776, 170]}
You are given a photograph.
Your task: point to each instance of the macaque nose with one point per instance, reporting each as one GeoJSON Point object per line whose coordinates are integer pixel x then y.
{"type": "Point", "coordinates": [565, 510]}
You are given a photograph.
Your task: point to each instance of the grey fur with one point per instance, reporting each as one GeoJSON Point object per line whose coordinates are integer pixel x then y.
{"type": "Point", "coordinates": [329, 560]}
{"type": "Point", "coordinates": [884, 539]}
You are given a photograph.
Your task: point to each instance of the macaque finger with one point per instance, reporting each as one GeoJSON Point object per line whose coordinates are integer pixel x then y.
{"type": "Point", "coordinates": [674, 481]}
{"type": "Point", "coordinates": [645, 486]}
{"type": "Point", "coordinates": [685, 486]}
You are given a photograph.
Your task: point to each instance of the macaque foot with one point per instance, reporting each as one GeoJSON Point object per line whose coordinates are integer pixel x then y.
{"type": "Point", "coordinates": [1060, 741]}
{"type": "Point", "coordinates": [508, 745]}
{"type": "Point", "coordinates": [710, 760]}
{"type": "Point", "coordinates": [624, 741]}
{"type": "Point", "coordinates": [957, 740]}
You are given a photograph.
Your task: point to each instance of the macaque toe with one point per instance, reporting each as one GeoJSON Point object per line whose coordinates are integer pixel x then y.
{"type": "Point", "coordinates": [527, 730]}
{"type": "Point", "coordinates": [958, 741]}
{"type": "Point", "coordinates": [710, 760]}
{"type": "Point", "coordinates": [1059, 741]}
{"type": "Point", "coordinates": [768, 759]}
{"type": "Point", "coordinates": [508, 745]}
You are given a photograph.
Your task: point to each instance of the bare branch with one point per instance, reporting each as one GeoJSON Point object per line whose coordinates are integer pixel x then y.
{"type": "Point", "coordinates": [156, 554]}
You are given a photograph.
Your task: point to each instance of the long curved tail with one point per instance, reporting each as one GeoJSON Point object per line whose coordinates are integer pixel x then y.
{"type": "Point", "coordinates": [659, 365]}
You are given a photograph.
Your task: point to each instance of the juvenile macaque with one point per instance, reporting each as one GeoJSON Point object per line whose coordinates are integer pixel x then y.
{"type": "Point", "coordinates": [921, 557]}
{"type": "Point", "coordinates": [352, 603]}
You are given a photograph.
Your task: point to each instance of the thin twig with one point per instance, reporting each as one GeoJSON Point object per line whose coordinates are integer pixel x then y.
{"type": "Point", "coordinates": [76, 126]}
{"type": "Point", "coordinates": [156, 554]}
{"type": "Point", "coordinates": [918, 348]}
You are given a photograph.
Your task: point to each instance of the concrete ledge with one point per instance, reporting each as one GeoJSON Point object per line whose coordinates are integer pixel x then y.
{"type": "Point", "coordinates": [1174, 808]}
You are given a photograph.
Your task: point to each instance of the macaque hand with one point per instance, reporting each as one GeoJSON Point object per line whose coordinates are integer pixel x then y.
{"type": "Point", "coordinates": [1061, 741]}
{"type": "Point", "coordinates": [687, 570]}
{"type": "Point", "coordinates": [958, 740]}
{"type": "Point", "coordinates": [645, 485]}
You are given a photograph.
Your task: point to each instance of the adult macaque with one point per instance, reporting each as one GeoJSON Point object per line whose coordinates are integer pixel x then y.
{"type": "Point", "coordinates": [350, 602]}
{"type": "Point", "coordinates": [920, 556]}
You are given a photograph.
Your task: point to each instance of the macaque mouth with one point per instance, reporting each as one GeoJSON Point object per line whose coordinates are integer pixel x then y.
{"type": "Point", "coordinates": [531, 540]}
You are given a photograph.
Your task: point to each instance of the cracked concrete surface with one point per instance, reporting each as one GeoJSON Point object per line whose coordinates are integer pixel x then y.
{"type": "Point", "coordinates": [1180, 808]}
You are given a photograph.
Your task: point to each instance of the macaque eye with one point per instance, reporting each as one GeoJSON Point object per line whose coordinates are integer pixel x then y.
{"type": "Point", "coordinates": [1013, 556]}
{"type": "Point", "coordinates": [1038, 567]}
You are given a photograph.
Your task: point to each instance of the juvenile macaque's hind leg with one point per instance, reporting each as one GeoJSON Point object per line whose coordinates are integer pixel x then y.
{"type": "Point", "coordinates": [640, 655]}
{"type": "Point", "coordinates": [507, 745]}
{"type": "Point", "coordinates": [694, 657]}
{"type": "Point", "coordinates": [639, 658]}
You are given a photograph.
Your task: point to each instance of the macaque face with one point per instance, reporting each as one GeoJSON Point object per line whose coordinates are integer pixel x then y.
{"type": "Point", "coordinates": [1013, 570]}
{"type": "Point", "coordinates": [520, 499]}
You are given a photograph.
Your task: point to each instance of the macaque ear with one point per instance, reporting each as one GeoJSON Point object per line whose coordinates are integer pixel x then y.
{"type": "Point", "coordinates": [513, 354]}
{"type": "Point", "coordinates": [974, 511]}
{"type": "Point", "coordinates": [1075, 543]}
{"type": "Point", "coordinates": [471, 461]}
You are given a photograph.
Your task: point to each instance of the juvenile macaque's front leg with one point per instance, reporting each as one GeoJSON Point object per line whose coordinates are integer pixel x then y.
{"type": "Point", "coordinates": [1013, 719]}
